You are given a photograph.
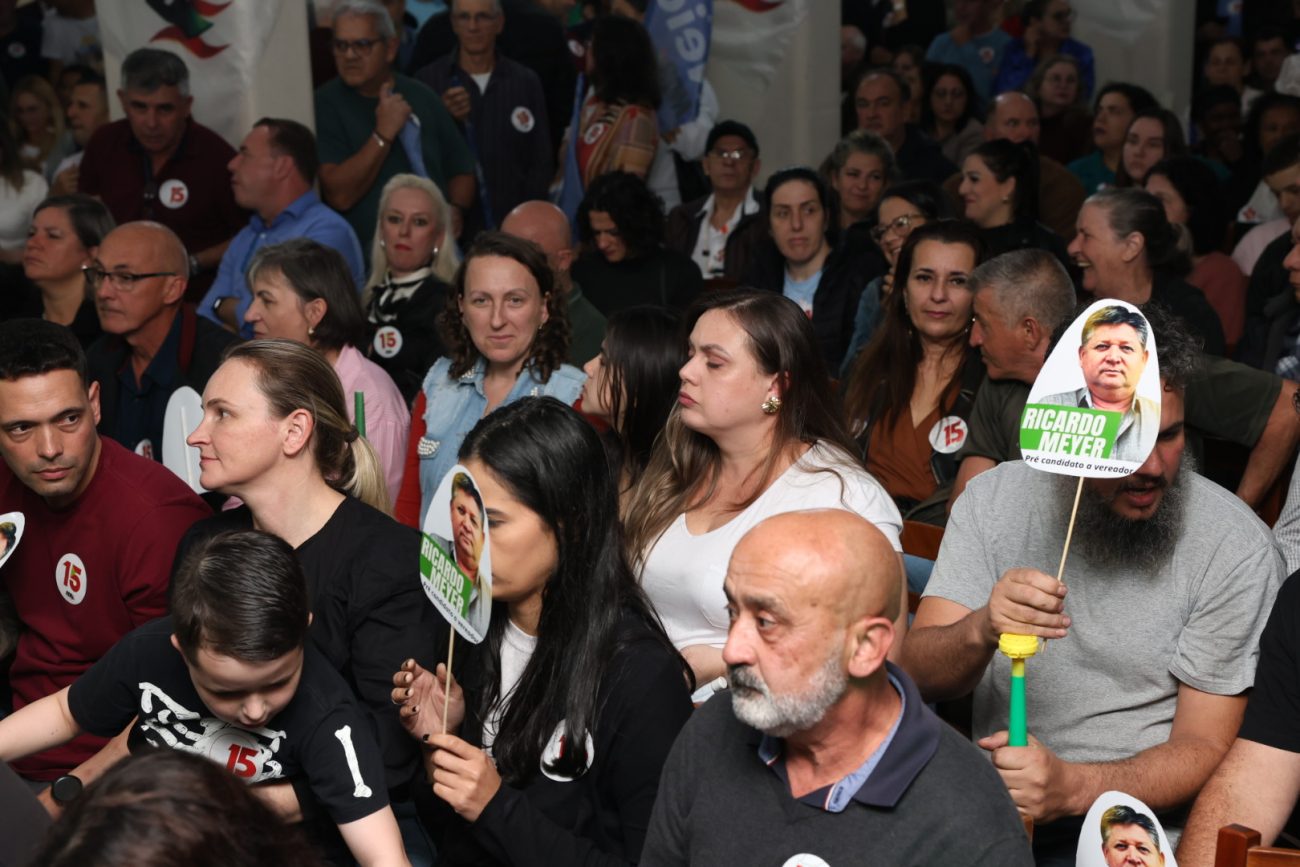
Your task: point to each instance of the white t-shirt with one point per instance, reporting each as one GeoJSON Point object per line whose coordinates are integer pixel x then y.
{"type": "Point", "coordinates": [684, 573]}
{"type": "Point", "coordinates": [16, 208]}
{"type": "Point", "coordinates": [517, 648]}
{"type": "Point", "coordinates": [72, 40]}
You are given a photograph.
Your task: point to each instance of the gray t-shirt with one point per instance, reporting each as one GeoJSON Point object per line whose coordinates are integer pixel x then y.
{"type": "Point", "coordinates": [1109, 689]}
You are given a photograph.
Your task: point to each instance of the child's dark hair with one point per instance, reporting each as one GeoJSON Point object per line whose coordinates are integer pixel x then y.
{"type": "Point", "coordinates": [240, 594]}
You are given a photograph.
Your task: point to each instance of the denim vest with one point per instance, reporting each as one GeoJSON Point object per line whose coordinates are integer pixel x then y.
{"type": "Point", "coordinates": [454, 406]}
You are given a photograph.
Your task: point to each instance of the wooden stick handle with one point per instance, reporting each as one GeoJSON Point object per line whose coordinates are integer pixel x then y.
{"type": "Point", "coordinates": [446, 699]}
{"type": "Point", "coordinates": [1069, 533]}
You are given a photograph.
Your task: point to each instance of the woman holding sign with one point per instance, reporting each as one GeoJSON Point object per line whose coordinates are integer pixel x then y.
{"type": "Point", "coordinates": [915, 383]}
{"type": "Point", "coordinates": [756, 432]}
{"type": "Point", "coordinates": [508, 334]}
{"type": "Point", "coordinates": [560, 721]}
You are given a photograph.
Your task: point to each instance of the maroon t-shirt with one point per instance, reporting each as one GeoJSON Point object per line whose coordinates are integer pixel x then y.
{"type": "Point", "coordinates": [190, 195]}
{"type": "Point", "coordinates": [83, 577]}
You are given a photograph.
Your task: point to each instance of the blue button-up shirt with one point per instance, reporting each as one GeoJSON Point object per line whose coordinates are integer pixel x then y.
{"type": "Point", "coordinates": [306, 217]}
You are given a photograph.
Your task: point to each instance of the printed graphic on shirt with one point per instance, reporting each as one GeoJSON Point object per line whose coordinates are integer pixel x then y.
{"type": "Point", "coordinates": [248, 754]}
{"type": "Point", "coordinates": [70, 578]}
{"type": "Point", "coordinates": [173, 194]}
{"type": "Point", "coordinates": [144, 448]}
{"type": "Point", "coordinates": [11, 533]}
{"type": "Point", "coordinates": [388, 341]}
{"type": "Point", "coordinates": [948, 434]}
{"type": "Point", "coordinates": [555, 750]}
{"type": "Point", "coordinates": [522, 119]}
{"type": "Point", "coordinates": [805, 860]}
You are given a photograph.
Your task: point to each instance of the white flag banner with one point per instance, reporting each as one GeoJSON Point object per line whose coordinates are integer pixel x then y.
{"type": "Point", "coordinates": [247, 58]}
{"type": "Point", "coordinates": [751, 37]}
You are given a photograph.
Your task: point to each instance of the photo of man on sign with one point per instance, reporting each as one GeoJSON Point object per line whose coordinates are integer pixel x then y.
{"type": "Point", "coordinates": [454, 557]}
{"type": "Point", "coordinates": [1113, 354]}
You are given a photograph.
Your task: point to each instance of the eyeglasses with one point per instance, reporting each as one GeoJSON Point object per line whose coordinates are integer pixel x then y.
{"type": "Point", "coordinates": [476, 17]}
{"type": "Point", "coordinates": [734, 155]}
{"type": "Point", "coordinates": [123, 281]}
{"type": "Point", "coordinates": [361, 47]}
{"type": "Point", "coordinates": [899, 226]}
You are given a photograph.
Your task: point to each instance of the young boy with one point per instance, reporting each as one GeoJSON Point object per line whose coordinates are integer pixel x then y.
{"type": "Point", "coordinates": [230, 675]}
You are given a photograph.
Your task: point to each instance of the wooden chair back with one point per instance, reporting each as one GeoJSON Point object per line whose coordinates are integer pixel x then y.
{"type": "Point", "coordinates": [1238, 846]}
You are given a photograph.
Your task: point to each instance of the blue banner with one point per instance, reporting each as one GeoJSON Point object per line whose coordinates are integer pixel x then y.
{"type": "Point", "coordinates": [571, 191]}
{"type": "Point", "coordinates": [681, 31]}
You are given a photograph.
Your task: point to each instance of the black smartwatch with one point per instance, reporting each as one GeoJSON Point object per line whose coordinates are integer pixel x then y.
{"type": "Point", "coordinates": [65, 789]}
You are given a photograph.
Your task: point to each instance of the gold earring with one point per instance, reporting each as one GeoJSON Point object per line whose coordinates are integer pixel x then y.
{"type": "Point", "coordinates": [771, 405]}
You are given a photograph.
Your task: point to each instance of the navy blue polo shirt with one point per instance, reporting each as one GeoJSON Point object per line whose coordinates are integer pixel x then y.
{"type": "Point", "coordinates": [141, 406]}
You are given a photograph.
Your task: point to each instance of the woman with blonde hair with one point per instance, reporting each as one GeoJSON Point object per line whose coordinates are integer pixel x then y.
{"type": "Point", "coordinates": [275, 433]}
{"type": "Point", "coordinates": [36, 118]}
{"type": "Point", "coordinates": [756, 431]}
{"type": "Point", "coordinates": [413, 260]}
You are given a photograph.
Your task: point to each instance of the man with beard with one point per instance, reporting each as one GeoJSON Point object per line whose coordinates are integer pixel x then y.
{"type": "Point", "coordinates": [823, 753]}
{"type": "Point", "coordinates": [1155, 627]}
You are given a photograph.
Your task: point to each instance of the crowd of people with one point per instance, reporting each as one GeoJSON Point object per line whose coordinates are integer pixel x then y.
{"type": "Point", "coordinates": [704, 413]}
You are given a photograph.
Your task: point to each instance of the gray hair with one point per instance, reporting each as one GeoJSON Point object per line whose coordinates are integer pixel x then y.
{"type": "Point", "coordinates": [1028, 283]}
{"type": "Point", "coordinates": [147, 69]}
{"type": "Point", "coordinates": [383, 21]}
{"type": "Point", "coordinates": [861, 141]}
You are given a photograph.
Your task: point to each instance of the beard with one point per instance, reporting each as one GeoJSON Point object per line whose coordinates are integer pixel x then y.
{"type": "Point", "coordinates": [1113, 542]}
{"type": "Point", "coordinates": [756, 705]}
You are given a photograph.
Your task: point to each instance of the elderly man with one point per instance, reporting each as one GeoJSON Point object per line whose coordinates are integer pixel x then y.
{"type": "Point", "coordinates": [273, 175]}
{"type": "Point", "coordinates": [373, 123]}
{"type": "Point", "coordinates": [160, 164]}
{"type": "Point", "coordinates": [1022, 297]}
{"type": "Point", "coordinates": [101, 524]}
{"type": "Point", "coordinates": [153, 343]}
{"type": "Point", "coordinates": [1013, 116]}
{"type": "Point", "coordinates": [880, 99]}
{"type": "Point", "coordinates": [1154, 629]}
{"type": "Point", "coordinates": [501, 110]}
{"type": "Point", "coordinates": [719, 231]}
{"type": "Point", "coordinates": [1113, 354]}
{"type": "Point", "coordinates": [546, 226]}
{"type": "Point", "coordinates": [823, 753]}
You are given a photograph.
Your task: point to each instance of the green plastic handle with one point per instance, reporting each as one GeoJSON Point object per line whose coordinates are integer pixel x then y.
{"type": "Point", "coordinates": [359, 411]}
{"type": "Point", "coordinates": [1018, 729]}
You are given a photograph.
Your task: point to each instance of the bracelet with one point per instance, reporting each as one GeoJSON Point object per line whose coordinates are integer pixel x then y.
{"type": "Point", "coordinates": [379, 139]}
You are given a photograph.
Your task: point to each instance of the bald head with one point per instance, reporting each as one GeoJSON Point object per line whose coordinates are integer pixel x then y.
{"type": "Point", "coordinates": [827, 557]}
{"type": "Point", "coordinates": [1012, 116]}
{"type": "Point", "coordinates": [165, 246]}
{"type": "Point", "coordinates": [542, 223]}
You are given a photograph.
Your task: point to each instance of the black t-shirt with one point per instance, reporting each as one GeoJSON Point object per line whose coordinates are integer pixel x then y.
{"type": "Point", "coordinates": [1273, 712]}
{"type": "Point", "coordinates": [369, 611]}
{"type": "Point", "coordinates": [664, 278]}
{"type": "Point", "coordinates": [322, 734]}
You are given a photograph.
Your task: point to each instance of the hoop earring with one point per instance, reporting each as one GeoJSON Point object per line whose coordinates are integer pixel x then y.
{"type": "Point", "coordinates": [771, 405]}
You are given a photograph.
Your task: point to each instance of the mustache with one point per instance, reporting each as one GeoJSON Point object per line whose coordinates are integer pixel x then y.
{"type": "Point", "coordinates": [745, 677]}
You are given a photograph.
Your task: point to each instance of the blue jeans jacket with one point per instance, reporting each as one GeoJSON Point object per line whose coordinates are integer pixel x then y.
{"type": "Point", "coordinates": [454, 406]}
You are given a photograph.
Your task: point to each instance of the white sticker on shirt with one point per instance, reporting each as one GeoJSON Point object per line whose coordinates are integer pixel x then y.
{"type": "Point", "coordinates": [522, 119]}
{"type": "Point", "coordinates": [388, 341]}
{"type": "Point", "coordinates": [173, 194]}
{"type": "Point", "coordinates": [17, 50]}
{"type": "Point", "coordinates": [594, 132]}
{"type": "Point", "coordinates": [805, 861]}
{"type": "Point", "coordinates": [555, 748]}
{"type": "Point", "coordinates": [987, 54]}
{"type": "Point", "coordinates": [70, 578]}
{"type": "Point", "coordinates": [239, 751]}
{"type": "Point", "coordinates": [948, 434]}
{"type": "Point", "coordinates": [144, 448]}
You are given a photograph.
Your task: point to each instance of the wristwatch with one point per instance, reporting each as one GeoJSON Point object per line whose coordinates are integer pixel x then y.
{"type": "Point", "coordinates": [65, 789]}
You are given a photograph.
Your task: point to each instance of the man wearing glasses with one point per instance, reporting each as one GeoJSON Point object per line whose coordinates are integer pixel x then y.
{"type": "Point", "coordinates": [153, 343]}
{"type": "Point", "coordinates": [160, 164]}
{"type": "Point", "coordinates": [719, 231]}
{"type": "Point", "coordinates": [501, 110]}
{"type": "Point", "coordinates": [373, 123]}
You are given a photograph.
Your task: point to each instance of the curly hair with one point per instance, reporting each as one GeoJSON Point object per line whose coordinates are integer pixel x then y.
{"type": "Point", "coordinates": [637, 212]}
{"type": "Point", "coordinates": [550, 347]}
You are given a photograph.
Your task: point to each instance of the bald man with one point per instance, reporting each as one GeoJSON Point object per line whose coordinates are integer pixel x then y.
{"type": "Point", "coordinates": [822, 752]}
{"type": "Point", "coordinates": [1013, 116]}
{"type": "Point", "coordinates": [546, 226]}
{"type": "Point", "coordinates": [153, 342]}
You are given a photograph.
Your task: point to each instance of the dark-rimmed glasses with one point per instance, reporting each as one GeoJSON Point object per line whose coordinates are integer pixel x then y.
{"type": "Point", "coordinates": [123, 281]}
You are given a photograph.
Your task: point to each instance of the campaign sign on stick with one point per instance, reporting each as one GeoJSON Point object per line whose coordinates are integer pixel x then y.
{"type": "Point", "coordinates": [1095, 408]}
{"type": "Point", "coordinates": [455, 567]}
{"type": "Point", "coordinates": [11, 533]}
{"type": "Point", "coordinates": [1120, 829]}
{"type": "Point", "coordinates": [184, 412]}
